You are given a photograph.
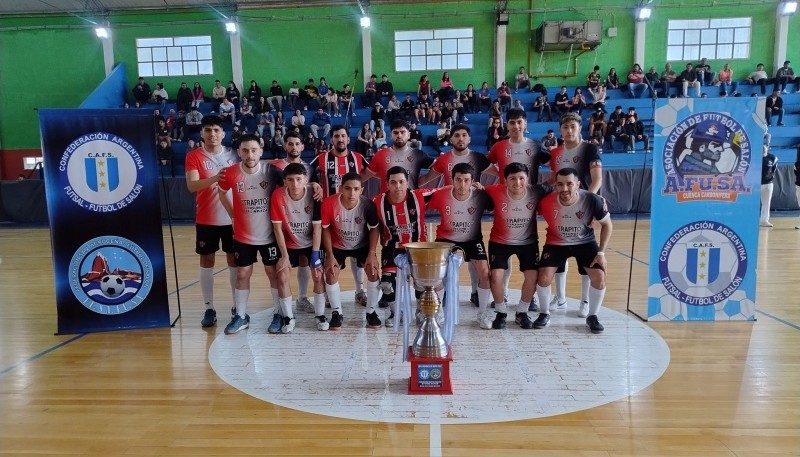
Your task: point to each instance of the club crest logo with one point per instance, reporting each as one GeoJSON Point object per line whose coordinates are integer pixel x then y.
{"type": "Point", "coordinates": [530, 205]}
{"type": "Point", "coordinates": [359, 220]}
{"type": "Point", "coordinates": [101, 172]}
{"type": "Point", "coordinates": [706, 158]}
{"type": "Point", "coordinates": [580, 214]}
{"type": "Point", "coordinates": [308, 209]}
{"type": "Point", "coordinates": [471, 210]}
{"type": "Point", "coordinates": [263, 184]}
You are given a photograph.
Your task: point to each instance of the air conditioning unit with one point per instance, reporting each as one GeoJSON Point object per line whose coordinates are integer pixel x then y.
{"type": "Point", "coordinates": [564, 35]}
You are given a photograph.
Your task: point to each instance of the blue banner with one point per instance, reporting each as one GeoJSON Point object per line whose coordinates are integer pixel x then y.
{"type": "Point", "coordinates": [101, 181]}
{"type": "Point", "coordinates": [705, 209]}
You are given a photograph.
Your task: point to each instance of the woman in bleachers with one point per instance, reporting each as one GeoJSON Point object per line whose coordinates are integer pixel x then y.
{"type": "Point", "coordinates": [600, 98]}
{"type": "Point", "coordinates": [254, 92]}
{"type": "Point", "coordinates": [322, 89]}
{"type": "Point", "coordinates": [484, 98]}
{"type": "Point", "coordinates": [197, 95]}
{"type": "Point", "coordinates": [233, 95]}
{"type": "Point", "coordinates": [365, 141]}
{"type": "Point", "coordinates": [435, 113]}
{"type": "Point", "coordinates": [261, 106]}
{"type": "Point", "coordinates": [331, 103]}
{"type": "Point", "coordinates": [162, 132]}
{"type": "Point", "coordinates": [424, 87]}
{"type": "Point", "coordinates": [612, 80]}
{"type": "Point", "coordinates": [471, 99]}
{"type": "Point", "coordinates": [578, 101]}
{"type": "Point", "coordinates": [380, 138]}
{"type": "Point", "coordinates": [299, 122]}
{"type": "Point", "coordinates": [393, 108]}
{"type": "Point", "coordinates": [423, 106]}
{"type": "Point", "coordinates": [495, 133]}
{"type": "Point", "coordinates": [280, 123]}
{"type": "Point", "coordinates": [446, 87]}
{"type": "Point", "coordinates": [495, 112]}
{"type": "Point", "coordinates": [449, 114]}
{"type": "Point", "coordinates": [725, 77]}
{"type": "Point", "coordinates": [458, 105]}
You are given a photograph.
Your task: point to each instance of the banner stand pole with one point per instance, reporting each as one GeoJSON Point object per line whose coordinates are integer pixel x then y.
{"type": "Point", "coordinates": [172, 240]}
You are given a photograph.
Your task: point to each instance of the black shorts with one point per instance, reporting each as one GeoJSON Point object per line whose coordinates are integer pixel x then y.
{"type": "Point", "coordinates": [208, 238]}
{"type": "Point", "coordinates": [555, 255]}
{"type": "Point", "coordinates": [527, 254]}
{"type": "Point", "coordinates": [387, 258]}
{"type": "Point", "coordinates": [473, 250]}
{"type": "Point", "coordinates": [246, 254]}
{"type": "Point", "coordinates": [294, 256]}
{"type": "Point", "coordinates": [359, 254]}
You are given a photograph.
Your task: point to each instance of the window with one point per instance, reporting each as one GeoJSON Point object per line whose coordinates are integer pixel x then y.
{"type": "Point", "coordinates": [29, 163]}
{"type": "Point", "coordinates": [715, 39]}
{"type": "Point", "coordinates": [176, 56]}
{"type": "Point", "coordinates": [441, 49]}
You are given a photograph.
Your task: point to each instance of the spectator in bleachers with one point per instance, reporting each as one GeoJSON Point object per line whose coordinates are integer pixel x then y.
{"type": "Point", "coordinates": [435, 112]}
{"type": "Point", "coordinates": [365, 141]}
{"type": "Point", "coordinates": [179, 127]}
{"type": "Point", "coordinates": [578, 102]}
{"type": "Point", "coordinates": [441, 139]}
{"type": "Point", "coordinates": [170, 118]}
{"type": "Point", "coordinates": [392, 108]}
{"type": "Point", "coordinates": [370, 94]}
{"type": "Point", "coordinates": [668, 78]}
{"type": "Point", "coordinates": [414, 136]}
{"type": "Point", "coordinates": [376, 117]}
{"type": "Point", "coordinates": [280, 122]}
{"type": "Point", "coordinates": [275, 95]}
{"type": "Point", "coordinates": [246, 111]}
{"type": "Point", "coordinates": [320, 124]}
{"type": "Point", "coordinates": [484, 98]}
{"type": "Point", "coordinates": [495, 112]}
{"type": "Point", "coordinates": [593, 80]}
{"type": "Point", "coordinates": [233, 95]}
{"type": "Point", "coordinates": [198, 97]}
{"type": "Point", "coordinates": [634, 133]}
{"type": "Point", "coordinates": [612, 80]}
{"type": "Point", "coordinates": [408, 109]}
{"type": "Point", "coordinates": [322, 90]}
{"type": "Point", "coordinates": [449, 114]}
{"type": "Point", "coordinates": [236, 136]}
{"type": "Point", "coordinates": [380, 138]}
{"type": "Point", "coordinates": [276, 144]}
{"type": "Point", "coordinates": [266, 121]}
{"type": "Point", "coordinates": [298, 122]}
{"type": "Point", "coordinates": [783, 76]}
{"type": "Point", "coordinates": [293, 96]}
{"type": "Point", "coordinates": [496, 132]}
{"type": "Point", "coordinates": [504, 95]}
{"type": "Point", "coordinates": [183, 100]}
{"type": "Point", "coordinates": [309, 94]}
{"type": "Point", "coordinates": [689, 78]}
{"type": "Point", "coordinates": [549, 141]}
{"type": "Point", "coordinates": [261, 106]}
{"type": "Point", "coordinates": [309, 142]}
{"type": "Point", "coordinates": [774, 107]}
{"type": "Point", "coordinates": [471, 102]}
{"type": "Point", "coordinates": [705, 74]}
{"type": "Point", "coordinates": [227, 111]}
{"type": "Point", "coordinates": [541, 104]}
{"type": "Point", "coordinates": [600, 95]}
{"type": "Point", "coordinates": [597, 121]}
{"type": "Point", "coordinates": [616, 132]}
{"type": "Point", "coordinates": [141, 91]}
{"type": "Point", "coordinates": [632, 112]}
{"type": "Point", "coordinates": [331, 102]}
{"type": "Point", "coordinates": [614, 120]}
{"type": "Point", "coordinates": [636, 85]}
{"type": "Point", "coordinates": [562, 102]}
{"type": "Point", "coordinates": [162, 132]}
{"type": "Point", "coordinates": [253, 92]}
{"type": "Point", "coordinates": [424, 87]}
{"type": "Point", "coordinates": [345, 98]}
{"type": "Point", "coordinates": [423, 106]}
{"type": "Point", "coordinates": [385, 90]}
{"type": "Point", "coordinates": [166, 155]}
{"type": "Point", "coordinates": [217, 95]}
{"type": "Point", "coordinates": [194, 120]}
{"type": "Point", "coordinates": [446, 91]}
{"type": "Point", "coordinates": [653, 81]}
{"type": "Point", "coordinates": [521, 80]}
{"type": "Point", "coordinates": [759, 77]}
{"type": "Point", "coordinates": [725, 78]}
{"type": "Point", "coordinates": [458, 103]}
{"type": "Point", "coordinates": [159, 96]}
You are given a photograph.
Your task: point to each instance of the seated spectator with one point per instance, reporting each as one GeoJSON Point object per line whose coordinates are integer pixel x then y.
{"type": "Point", "coordinates": [495, 133]}
{"type": "Point", "coordinates": [370, 94]}
{"type": "Point", "coordinates": [280, 123]}
{"type": "Point", "coordinates": [261, 106]}
{"type": "Point", "coordinates": [759, 77]}
{"type": "Point", "coordinates": [597, 120]}
{"type": "Point", "coordinates": [423, 106]}
{"type": "Point", "coordinates": [484, 98]}
{"type": "Point", "coordinates": [471, 100]}
{"type": "Point", "coordinates": [331, 102]}
{"type": "Point", "coordinates": [322, 90]}
{"type": "Point", "coordinates": [668, 78]}
{"type": "Point", "coordinates": [653, 82]}
{"type": "Point", "coordinates": [227, 111]}
{"type": "Point", "coordinates": [541, 104]}
{"type": "Point", "coordinates": [183, 101]}
{"type": "Point", "coordinates": [725, 77]}
{"type": "Point", "coordinates": [345, 98]}
{"type": "Point", "coordinates": [458, 103]}
{"type": "Point", "coordinates": [415, 137]}
{"type": "Point", "coordinates": [504, 95]}
{"type": "Point", "coordinates": [593, 80]}
{"type": "Point", "coordinates": [309, 95]}
{"type": "Point", "coordinates": [774, 107]}
{"type": "Point", "coordinates": [441, 139]}
{"type": "Point", "coordinates": [198, 97]}
{"type": "Point", "coordinates": [600, 95]}
{"type": "Point", "coordinates": [562, 102]}
{"type": "Point", "coordinates": [783, 76]}
{"type": "Point", "coordinates": [614, 120]}
{"type": "Point", "coordinates": [298, 122]}
{"type": "Point", "coordinates": [578, 101]}
{"type": "Point", "coordinates": [612, 80]}
{"type": "Point", "coordinates": [521, 80]}
{"type": "Point", "coordinates": [293, 96]}
{"type": "Point", "coordinates": [446, 91]}
{"type": "Point", "coordinates": [162, 132]}
{"type": "Point", "coordinates": [689, 79]}
{"type": "Point", "coordinates": [435, 111]}
{"type": "Point", "coordinates": [194, 120]}
{"type": "Point", "coordinates": [495, 112]}
{"type": "Point", "coordinates": [309, 142]}
{"type": "Point", "coordinates": [276, 144]}
{"type": "Point", "coordinates": [246, 111]}
{"type": "Point", "coordinates": [179, 127]}
{"type": "Point", "coordinates": [275, 99]}
{"type": "Point", "coordinates": [634, 133]}
{"type": "Point", "coordinates": [379, 138]}
{"type": "Point", "coordinates": [705, 75]}
{"type": "Point", "coordinates": [365, 141]}
{"type": "Point", "coordinates": [233, 95]}
{"type": "Point", "coordinates": [159, 96]}
{"type": "Point", "coordinates": [385, 90]}
{"type": "Point", "coordinates": [266, 121]}
{"type": "Point", "coordinates": [616, 132]}
{"type": "Point", "coordinates": [217, 95]}
{"type": "Point", "coordinates": [636, 85]}
{"type": "Point", "coordinates": [449, 113]}
{"type": "Point", "coordinates": [408, 109]}
{"type": "Point", "coordinates": [253, 92]}
{"type": "Point", "coordinates": [141, 91]}
{"type": "Point", "coordinates": [236, 136]}
{"type": "Point", "coordinates": [549, 141]}
{"type": "Point", "coordinates": [166, 155]}
{"type": "Point", "coordinates": [376, 117]}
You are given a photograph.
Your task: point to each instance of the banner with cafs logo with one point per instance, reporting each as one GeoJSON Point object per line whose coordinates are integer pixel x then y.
{"type": "Point", "coordinates": [705, 209]}
{"type": "Point", "coordinates": [101, 182]}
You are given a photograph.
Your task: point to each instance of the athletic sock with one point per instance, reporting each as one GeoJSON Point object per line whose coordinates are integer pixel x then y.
{"type": "Point", "coordinates": [473, 276]}
{"type": "Point", "coordinates": [303, 276]}
{"type": "Point", "coordinates": [484, 298]}
{"type": "Point", "coordinates": [560, 282]}
{"type": "Point", "coordinates": [334, 292]}
{"type": "Point", "coordinates": [286, 307]}
{"type": "Point", "coordinates": [207, 286]}
{"type": "Point", "coordinates": [373, 295]}
{"type": "Point", "coordinates": [232, 273]}
{"type": "Point", "coordinates": [596, 300]}
{"type": "Point", "coordinates": [319, 304]}
{"type": "Point", "coordinates": [276, 302]}
{"type": "Point", "coordinates": [585, 283]}
{"type": "Point", "coordinates": [358, 275]}
{"type": "Point", "coordinates": [544, 298]}
{"type": "Point", "coordinates": [242, 295]}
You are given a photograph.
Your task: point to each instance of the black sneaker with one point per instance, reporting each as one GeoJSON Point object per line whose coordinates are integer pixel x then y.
{"type": "Point", "coordinates": [499, 321]}
{"type": "Point", "coordinates": [594, 325]}
{"type": "Point", "coordinates": [373, 321]}
{"type": "Point", "coordinates": [541, 321]}
{"type": "Point", "coordinates": [524, 321]}
{"type": "Point", "coordinates": [534, 306]}
{"type": "Point", "coordinates": [336, 321]}
{"type": "Point", "coordinates": [473, 298]}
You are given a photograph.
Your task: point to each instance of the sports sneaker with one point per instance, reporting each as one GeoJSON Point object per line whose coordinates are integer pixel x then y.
{"type": "Point", "coordinates": [542, 321]}
{"type": "Point", "coordinates": [237, 323]}
{"type": "Point", "coordinates": [361, 298]}
{"type": "Point", "coordinates": [499, 321]}
{"type": "Point", "coordinates": [373, 321]}
{"type": "Point", "coordinates": [473, 298]}
{"type": "Point", "coordinates": [583, 309]}
{"type": "Point", "coordinates": [288, 325]}
{"type": "Point", "coordinates": [322, 323]}
{"type": "Point", "coordinates": [276, 325]}
{"type": "Point", "coordinates": [534, 306]}
{"type": "Point", "coordinates": [209, 318]}
{"type": "Point", "coordinates": [485, 320]}
{"type": "Point", "coordinates": [336, 321]}
{"type": "Point", "coordinates": [390, 320]}
{"type": "Point", "coordinates": [524, 321]}
{"type": "Point", "coordinates": [304, 304]}
{"type": "Point", "coordinates": [594, 325]}
{"type": "Point", "coordinates": [555, 304]}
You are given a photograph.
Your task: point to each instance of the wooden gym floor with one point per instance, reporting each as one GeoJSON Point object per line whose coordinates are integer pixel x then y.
{"type": "Point", "coordinates": [731, 388]}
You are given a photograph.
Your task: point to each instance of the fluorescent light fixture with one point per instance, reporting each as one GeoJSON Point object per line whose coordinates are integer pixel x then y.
{"type": "Point", "coordinates": [365, 21]}
{"type": "Point", "coordinates": [101, 32]}
{"type": "Point", "coordinates": [231, 27]}
{"type": "Point", "coordinates": [643, 13]}
{"type": "Point", "coordinates": [787, 8]}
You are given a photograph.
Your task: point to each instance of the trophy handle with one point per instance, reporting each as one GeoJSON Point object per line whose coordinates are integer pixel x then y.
{"type": "Point", "coordinates": [455, 249]}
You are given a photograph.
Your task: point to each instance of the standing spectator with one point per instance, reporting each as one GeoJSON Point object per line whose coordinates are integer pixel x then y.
{"type": "Point", "coordinates": [424, 87]}
{"type": "Point", "coordinates": [636, 85]}
{"type": "Point", "coordinates": [774, 107]}
{"type": "Point", "coordinates": [521, 80]}
{"type": "Point", "coordinates": [612, 80]}
{"type": "Point", "coordinates": [769, 165]}
{"type": "Point", "coordinates": [385, 90]}
{"type": "Point", "coordinates": [705, 75]}
{"type": "Point", "coordinates": [254, 92]}
{"type": "Point", "coordinates": [446, 87]}
{"type": "Point", "coordinates": [725, 77]}
{"type": "Point", "coordinates": [668, 78]}
{"type": "Point", "coordinates": [760, 78]}
{"type": "Point", "coordinates": [218, 95]}
{"type": "Point", "coordinates": [275, 95]}
{"type": "Point", "coordinates": [183, 101]}
{"type": "Point", "coordinates": [198, 96]}
{"type": "Point", "coordinates": [785, 75]}
{"type": "Point", "coordinates": [689, 78]}
{"type": "Point", "coordinates": [142, 91]}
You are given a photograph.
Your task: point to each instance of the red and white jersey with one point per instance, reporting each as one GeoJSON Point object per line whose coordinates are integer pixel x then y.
{"type": "Point", "coordinates": [349, 228]}
{"type": "Point", "coordinates": [444, 164]}
{"type": "Point", "coordinates": [413, 160]}
{"type": "Point", "coordinates": [251, 194]}
{"type": "Point", "coordinates": [329, 168]}
{"type": "Point", "coordinates": [583, 158]}
{"type": "Point", "coordinates": [276, 170]}
{"type": "Point", "coordinates": [528, 152]}
{"type": "Point", "coordinates": [567, 225]}
{"type": "Point", "coordinates": [515, 220]}
{"type": "Point", "coordinates": [209, 209]}
{"type": "Point", "coordinates": [461, 220]}
{"type": "Point", "coordinates": [296, 216]}
{"type": "Point", "coordinates": [402, 222]}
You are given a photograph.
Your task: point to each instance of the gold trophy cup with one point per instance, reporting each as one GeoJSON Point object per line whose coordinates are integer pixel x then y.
{"type": "Point", "coordinates": [428, 267]}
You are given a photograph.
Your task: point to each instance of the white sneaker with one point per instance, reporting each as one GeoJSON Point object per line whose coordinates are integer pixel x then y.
{"type": "Point", "coordinates": [389, 322]}
{"type": "Point", "coordinates": [288, 325]}
{"type": "Point", "coordinates": [583, 309]}
{"type": "Point", "coordinates": [322, 323]}
{"type": "Point", "coordinates": [555, 304]}
{"type": "Point", "coordinates": [485, 320]}
{"type": "Point", "coordinates": [304, 304]}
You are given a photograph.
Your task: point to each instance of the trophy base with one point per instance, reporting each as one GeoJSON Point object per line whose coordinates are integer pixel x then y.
{"type": "Point", "coordinates": [430, 376]}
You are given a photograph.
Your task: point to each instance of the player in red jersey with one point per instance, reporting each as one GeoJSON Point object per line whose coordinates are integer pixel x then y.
{"type": "Point", "coordinates": [399, 155]}
{"type": "Point", "coordinates": [461, 208]}
{"type": "Point", "coordinates": [401, 212]}
{"type": "Point", "coordinates": [569, 213]}
{"type": "Point", "coordinates": [328, 169]}
{"type": "Point", "coordinates": [205, 167]}
{"type": "Point", "coordinates": [514, 233]}
{"type": "Point", "coordinates": [247, 182]}
{"type": "Point", "coordinates": [349, 222]}
{"type": "Point", "coordinates": [585, 158]}
{"type": "Point", "coordinates": [298, 232]}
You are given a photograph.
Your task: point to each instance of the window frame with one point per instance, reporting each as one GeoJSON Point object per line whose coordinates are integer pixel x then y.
{"type": "Point", "coordinates": [174, 56]}
{"type": "Point", "coordinates": [713, 38]}
{"type": "Point", "coordinates": [445, 49]}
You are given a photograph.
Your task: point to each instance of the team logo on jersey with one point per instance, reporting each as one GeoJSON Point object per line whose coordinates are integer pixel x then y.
{"type": "Point", "coordinates": [703, 263]}
{"type": "Point", "coordinates": [263, 184]}
{"type": "Point", "coordinates": [359, 220]}
{"type": "Point", "coordinates": [529, 151]}
{"type": "Point", "coordinates": [101, 172]}
{"type": "Point", "coordinates": [530, 205]}
{"type": "Point", "coordinates": [308, 209]}
{"type": "Point", "coordinates": [706, 158]}
{"type": "Point", "coordinates": [471, 210]}
{"type": "Point", "coordinates": [580, 214]}
{"type": "Point", "coordinates": [410, 158]}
